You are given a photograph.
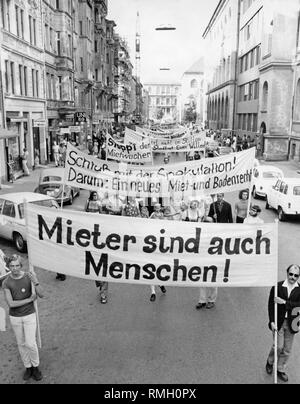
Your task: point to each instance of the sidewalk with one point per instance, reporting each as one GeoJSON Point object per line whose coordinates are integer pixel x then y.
{"type": "Point", "coordinates": [22, 184]}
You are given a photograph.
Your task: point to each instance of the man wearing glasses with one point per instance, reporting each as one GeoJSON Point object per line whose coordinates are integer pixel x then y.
{"type": "Point", "coordinates": [288, 301]}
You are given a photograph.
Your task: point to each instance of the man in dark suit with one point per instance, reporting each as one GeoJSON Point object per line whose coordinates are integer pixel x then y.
{"type": "Point", "coordinates": [288, 303]}
{"type": "Point", "coordinates": [220, 210]}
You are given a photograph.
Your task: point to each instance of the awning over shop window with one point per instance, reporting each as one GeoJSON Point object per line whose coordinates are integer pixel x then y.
{"type": "Point", "coordinates": [8, 134]}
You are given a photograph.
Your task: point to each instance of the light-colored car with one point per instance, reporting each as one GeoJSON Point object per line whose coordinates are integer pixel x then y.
{"type": "Point", "coordinates": [51, 184]}
{"type": "Point", "coordinates": [12, 220]}
{"type": "Point", "coordinates": [284, 196]}
{"type": "Point", "coordinates": [264, 177]}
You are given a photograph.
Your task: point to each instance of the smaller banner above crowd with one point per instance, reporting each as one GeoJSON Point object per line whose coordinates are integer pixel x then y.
{"type": "Point", "coordinates": [154, 252]}
{"type": "Point", "coordinates": [227, 173]}
{"type": "Point", "coordinates": [160, 133]}
{"type": "Point", "coordinates": [129, 153]}
{"type": "Point", "coordinates": [189, 143]}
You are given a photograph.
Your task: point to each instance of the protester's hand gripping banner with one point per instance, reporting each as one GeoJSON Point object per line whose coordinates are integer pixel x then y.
{"type": "Point", "coordinates": [130, 153]}
{"type": "Point", "coordinates": [154, 252]}
{"type": "Point", "coordinates": [226, 173]}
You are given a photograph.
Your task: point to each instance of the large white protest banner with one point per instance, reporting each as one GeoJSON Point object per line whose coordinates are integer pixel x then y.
{"type": "Point", "coordinates": [144, 251]}
{"type": "Point", "coordinates": [130, 153]}
{"type": "Point", "coordinates": [226, 173]}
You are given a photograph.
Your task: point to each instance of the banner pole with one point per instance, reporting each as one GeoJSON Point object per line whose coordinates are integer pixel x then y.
{"type": "Point", "coordinates": [250, 193]}
{"type": "Point", "coordinates": [276, 315]}
{"type": "Point", "coordinates": [31, 269]}
{"type": "Point", "coordinates": [64, 182]}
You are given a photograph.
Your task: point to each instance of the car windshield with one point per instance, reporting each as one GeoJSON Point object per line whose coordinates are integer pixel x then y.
{"type": "Point", "coordinates": [271, 174]}
{"type": "Point", "coordinates": [52, 178]}
{"type": "Point", "coordinates": [48, 203]}
{"type": "Point", "coordinates": [296, 191]}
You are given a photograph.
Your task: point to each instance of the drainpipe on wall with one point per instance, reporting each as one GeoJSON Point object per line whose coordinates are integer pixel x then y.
{"type": "Point", "coordinates": [236, 68]}
{"type": "Point", "coordinates": [294, 64]}
{"type": "Point", "coordinates": [5, 141]}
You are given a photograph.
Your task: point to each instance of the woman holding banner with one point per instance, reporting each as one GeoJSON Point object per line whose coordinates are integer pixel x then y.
{"type": "Point", "coordinates": [241, 207]}
{"type": "Point", "coordinates": [21, 290]}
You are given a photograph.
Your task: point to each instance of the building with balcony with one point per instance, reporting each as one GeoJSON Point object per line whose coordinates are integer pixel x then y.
{"type": "Point", "coordinates": [60, 41]}
{"type": "Point", "coordinates": [164, 100]}
{"type": "Point", "coordinates": [123, 113]}
{"type": "Point", "coordinates": [192, 93]}
{"type": "Point", "coordinates": [23, 78]}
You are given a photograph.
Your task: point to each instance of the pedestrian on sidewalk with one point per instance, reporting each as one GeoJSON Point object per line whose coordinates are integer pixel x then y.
{"type": "Point", "coordinates": [288, 323]}
{"type": "Point", "coordinates": [25, 162]}
{"type": "Point", "coordinates": [55, 149]}
{"type": "Point", "coordinates": [21, 289]}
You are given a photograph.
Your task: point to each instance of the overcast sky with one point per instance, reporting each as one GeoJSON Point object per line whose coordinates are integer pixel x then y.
{"type": "Point", "coordinates": [176, 50]}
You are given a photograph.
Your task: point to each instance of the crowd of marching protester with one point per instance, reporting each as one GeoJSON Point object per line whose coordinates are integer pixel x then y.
{"type": "Point", "coordinates": [21, 288]}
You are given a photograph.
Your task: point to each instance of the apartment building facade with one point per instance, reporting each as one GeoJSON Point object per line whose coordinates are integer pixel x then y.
{"type": "Point", "coordinates": [23, 77]}
{"type": "Point", "coordinates": [192, 92]}
{"type": "Point", "coordinates": [265, 75]}
{"type": "Point", "coordinates": [221, 42]}
{"type": "Point", "coordinates": [65, 74]}
{"type": "Point", "coordinates": [269, 30]}
{"type": "Point", "coordinates": [164, 100]}
{"type": "Point", "coordinates": [123, 112]}
{"type": "Point", "coordinates": [294, 152]}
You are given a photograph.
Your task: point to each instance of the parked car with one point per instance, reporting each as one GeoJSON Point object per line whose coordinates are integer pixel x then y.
{"type": "Point", "coordinates": [223, 150]}
{"type": "Point", "coordinates": [263, 178]}
{"type": "Point", "coordinates": [12, 220]}
{"type": "Point", "coordinates": [51, 184]}
{"type": "Point", "coordinates": [284, 196]}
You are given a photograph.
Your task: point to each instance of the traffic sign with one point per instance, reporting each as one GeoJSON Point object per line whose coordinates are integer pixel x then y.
{"type": "Point", "coordinates": [80, 117]}
{"type": "Point", "coordinates": [39, 123]}
{"type": "Point", "coordinates": [75, 129]}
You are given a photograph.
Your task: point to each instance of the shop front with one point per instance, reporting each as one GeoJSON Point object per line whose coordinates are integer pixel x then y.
{"type": "Point", "coordinates": [10, 149]}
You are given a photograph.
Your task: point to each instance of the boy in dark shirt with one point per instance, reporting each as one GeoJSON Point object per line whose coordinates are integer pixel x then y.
{"type": "Point", "coordinates": [20, 296]}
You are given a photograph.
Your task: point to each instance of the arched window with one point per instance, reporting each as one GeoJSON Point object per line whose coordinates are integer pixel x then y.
{"type": "Point", "coordinates": [265, 96]}
{"type": "Point", "coordinates": [297, 103]}
{"type": "Point", "coordinates": [194, 83]}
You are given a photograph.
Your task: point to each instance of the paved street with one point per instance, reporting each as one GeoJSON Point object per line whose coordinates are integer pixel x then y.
{"type": "Point", "coordinates": [131, 340]}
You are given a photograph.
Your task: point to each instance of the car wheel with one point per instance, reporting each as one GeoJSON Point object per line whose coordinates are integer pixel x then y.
{"type": "Point", "coordinates": [281, 214]}
{"type": "Point", "coordinates": [267, 204]}
{"type": "Point", "coordinates": [71, 199]}
{"type": "Point", "coordinates": [19, 242]}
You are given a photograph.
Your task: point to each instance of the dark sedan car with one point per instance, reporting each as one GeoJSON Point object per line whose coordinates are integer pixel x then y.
{"type": "Point", "coordinates": [51, 184]}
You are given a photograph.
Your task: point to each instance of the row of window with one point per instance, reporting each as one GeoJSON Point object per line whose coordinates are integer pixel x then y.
{"type": "Point", "coordinates": [20, 21]}
{"type": "Point", "coordinates": [250, 59]}
{"type": "Point", "coordinates": [55, 85]}
{"type": "Point", "coordinates": [248, 122]}
{"type": "Point", "coordinates": [165, 101]}
{"type": "Point", "coordinates": [163, 90]}
{"type": "Point", "coordinates": [249, 91]}
{"type": "Point", "coordinates": [245, 4]}
{"type": "Point", "coordinates": [252, 28]}
{"type": "Point", "coordinates": [23, 80]}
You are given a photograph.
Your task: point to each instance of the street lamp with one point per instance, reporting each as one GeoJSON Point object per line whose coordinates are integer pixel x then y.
{"type": "Point", "coordinates": [165, 28]}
